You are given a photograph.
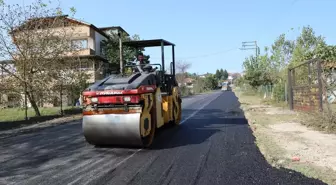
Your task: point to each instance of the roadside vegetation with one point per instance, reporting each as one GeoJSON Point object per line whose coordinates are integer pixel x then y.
{"type": "Point", "coordinates": [300, 140]}
{"type": "Point", "coordinates": [267, 74]}
{"type": "Point", "coordinates": [18, 114]}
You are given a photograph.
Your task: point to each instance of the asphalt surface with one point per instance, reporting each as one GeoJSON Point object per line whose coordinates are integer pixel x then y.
{"type": "Point", "coordinates": [213, 145]}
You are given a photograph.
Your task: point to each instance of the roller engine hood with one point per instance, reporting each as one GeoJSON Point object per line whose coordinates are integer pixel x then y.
{"type": "Point", "coordinates": [118, 82]}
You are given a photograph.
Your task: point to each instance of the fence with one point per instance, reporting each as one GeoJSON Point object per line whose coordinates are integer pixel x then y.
{"type": "Point", "coordinates": [15, 105]}
{"type": "Point", "coordinates": [312, 86]}
{"type": "Point", "coordinates": [305, 86]}
{"type": "Point", "coordinates": [275, 92]}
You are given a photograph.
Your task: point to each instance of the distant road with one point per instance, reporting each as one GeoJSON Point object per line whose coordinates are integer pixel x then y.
{"type": "Point", "coordinates": [214, 145]}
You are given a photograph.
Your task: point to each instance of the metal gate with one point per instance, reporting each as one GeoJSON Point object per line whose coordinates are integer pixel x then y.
{"type": "Point", "coordinates": [305, 86]}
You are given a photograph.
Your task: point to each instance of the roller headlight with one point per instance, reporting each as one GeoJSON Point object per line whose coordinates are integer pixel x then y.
{"type": "Point", "coordinates": [94, 100]}
{"type": "Point", "coordinates": [127, 98]}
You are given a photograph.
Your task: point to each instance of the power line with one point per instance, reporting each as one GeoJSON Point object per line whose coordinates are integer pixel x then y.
{"type": "Point", "coordinates": [211, 54]}
{"type": "Point", "coordinates": [201, 56]}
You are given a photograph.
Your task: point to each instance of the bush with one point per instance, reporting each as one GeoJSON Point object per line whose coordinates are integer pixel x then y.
{"type": "Point", "coordinates": [199, 86]}
{"type": "Point", "coordinates": [185, 91]}
{"type": "Point", "coordinates": [279, 92]}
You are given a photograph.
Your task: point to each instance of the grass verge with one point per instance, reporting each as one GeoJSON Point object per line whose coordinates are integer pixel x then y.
{"type": "Point", "coordinates": [17, 114]}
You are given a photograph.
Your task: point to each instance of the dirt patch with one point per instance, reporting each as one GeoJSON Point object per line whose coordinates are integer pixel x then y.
{"type": "Point", "coordinates": [277, 111]}
{"type": "Point", "coordinates": [310, 146]}
{"type": "Point", "coordinates": [285, 142]}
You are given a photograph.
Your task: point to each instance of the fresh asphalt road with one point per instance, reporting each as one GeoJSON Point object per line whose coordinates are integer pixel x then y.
{"type": "Point", "coordinates": [213, 145]}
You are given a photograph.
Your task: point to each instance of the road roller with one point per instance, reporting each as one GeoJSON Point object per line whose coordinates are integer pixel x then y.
{"type": "Point", "coordinates": [125, 109]}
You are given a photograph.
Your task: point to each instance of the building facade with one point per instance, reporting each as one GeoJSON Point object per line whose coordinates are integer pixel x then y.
{"type": "Point", "coordinates": [86, 41]}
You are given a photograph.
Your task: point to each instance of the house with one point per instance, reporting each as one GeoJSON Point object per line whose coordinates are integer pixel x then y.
{"type": "Point", "coordinates": [188, 82]}
{"type": "Point", "coordinates": [86, 41]}
{"type": "Point", "coordinates": [204, 75]}
{"type": "Point", "coordinates": [114, 30]}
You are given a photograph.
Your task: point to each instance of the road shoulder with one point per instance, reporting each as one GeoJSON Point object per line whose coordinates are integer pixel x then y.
{"type": "Point", "coordinates": [285, 142]}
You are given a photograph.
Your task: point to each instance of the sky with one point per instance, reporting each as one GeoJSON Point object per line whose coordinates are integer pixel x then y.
{"type": "Point", "coordinates": [208, 34]}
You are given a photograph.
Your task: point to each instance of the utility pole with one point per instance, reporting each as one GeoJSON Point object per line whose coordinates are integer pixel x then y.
{"type": "Point", "coordinates": [251, 45]}
{"type": "Point", "coordinates": [121, 53]}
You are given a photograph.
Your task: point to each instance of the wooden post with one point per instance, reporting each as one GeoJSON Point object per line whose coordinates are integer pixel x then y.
{"type": "Point", "coordinates": [311, 104]}
{"type": "Point", "coordinates": [61, 103]}
{"type": "Point", "coordinates": [290, 90]}
{"type": "Point", "coordinates": [320, 86]}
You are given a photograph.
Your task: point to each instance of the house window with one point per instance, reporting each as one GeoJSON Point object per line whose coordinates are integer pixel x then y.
{"type": "Point", "coordinates": [79, 44]}
{"type": "Point", "coordinates": [102, 48]}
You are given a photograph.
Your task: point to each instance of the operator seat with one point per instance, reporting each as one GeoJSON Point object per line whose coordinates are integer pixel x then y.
{"type": "Point", "coordinates": [147, 68]}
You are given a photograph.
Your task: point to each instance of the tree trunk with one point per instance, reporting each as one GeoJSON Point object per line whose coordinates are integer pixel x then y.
{"type": "Point", "coordinates": [34, 104]}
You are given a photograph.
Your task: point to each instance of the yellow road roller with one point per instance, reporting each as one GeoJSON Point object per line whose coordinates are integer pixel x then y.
{"type": "Point", "coordinates": [125, 109]}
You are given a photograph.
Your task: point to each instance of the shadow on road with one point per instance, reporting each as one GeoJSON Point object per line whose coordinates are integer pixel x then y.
{"type": "Point", "coordinates": [59, 150]}
{"type": "Point", "coordinates": [223, 124]}
{"type": "Point", "coordinates": [197, 129]}
{"type": "Point", "coordinates": [223, 113]}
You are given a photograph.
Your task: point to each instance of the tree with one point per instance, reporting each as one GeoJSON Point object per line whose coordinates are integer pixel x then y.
{"type": "Point", "coordinates": [305, 43]}
{"type": "Point", "coordinates": [218, 74]}
{"type": "Point", "coordinates": [271, 68]}
{"type": "Point", "coordinates": [225, 75]}
{"type": "Point", "coordinates": [211, 82]}
{"type": "Point", "coordinates": [258, 72]}
{"type": "Point", "coordinates": [181, 74]}
{"type": "Point", "coordinates": [112, 51]}
{"type": "Point", "coordinates": [181, 70]}
{"type": "Point", "coordinates": [199, 85]}
{"type": "Point", "coordinates": [182, 66]}
{"type": "Point", "coordinates": [221, 72]}
{"type": "Point", "coordinates": [35, 49]}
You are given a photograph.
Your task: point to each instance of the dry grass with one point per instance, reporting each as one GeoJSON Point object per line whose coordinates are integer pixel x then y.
{"type": "Point", "coordinates": [280, 137]}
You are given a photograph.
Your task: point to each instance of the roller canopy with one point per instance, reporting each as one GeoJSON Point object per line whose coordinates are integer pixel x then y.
{"type": "Point", "coordinates": [148, 43]}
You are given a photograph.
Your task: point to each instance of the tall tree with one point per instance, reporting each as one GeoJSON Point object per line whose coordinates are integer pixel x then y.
{"type": "Point", "coordinates": [218, 74]}
{"type": "Point", "coordinates": [181, 70]}
{"type": "Point", "coordinates": [270, 69]}
{"type": "Point", "coordinates": [211, 82]}
{"type": "Point", "coordinates": [306, 42]}
{"type": "Point", "coordinates": [225, 75]}
{"type": "Point", "coordinates": [36, 49]}
{"type": "Point", "coordinates": [221, 72]}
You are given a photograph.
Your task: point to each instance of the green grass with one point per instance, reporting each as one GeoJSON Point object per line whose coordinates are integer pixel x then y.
{"type": "Point", "coordinates": [16, 114]}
